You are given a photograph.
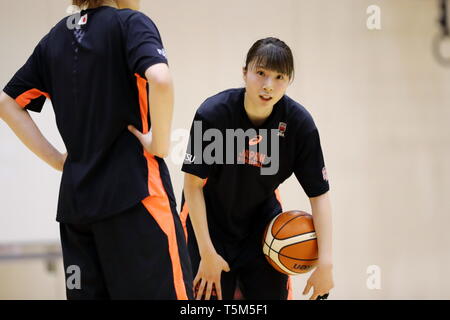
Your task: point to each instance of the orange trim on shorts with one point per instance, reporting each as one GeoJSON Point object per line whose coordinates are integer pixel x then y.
{"type": "Point", "coordinates": [183, 217]}
{"type": "Point", "coordinates": [157, 204]}
{"type": "Point", "coordinates": [25, 98]}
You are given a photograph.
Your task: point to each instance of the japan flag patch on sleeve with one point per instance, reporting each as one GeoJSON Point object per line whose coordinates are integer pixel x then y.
{"type": "Point", "coordinates": [83, 20]}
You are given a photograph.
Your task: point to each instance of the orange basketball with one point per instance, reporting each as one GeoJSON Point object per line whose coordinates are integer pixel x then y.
{"type": "Point", "coordinates": [290, 243]}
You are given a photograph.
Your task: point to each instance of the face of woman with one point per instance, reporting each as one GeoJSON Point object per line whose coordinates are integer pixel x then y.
{"type": "Point", "coordinates": [264, 87]}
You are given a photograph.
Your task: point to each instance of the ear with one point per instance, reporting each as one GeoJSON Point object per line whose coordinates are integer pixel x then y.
{"type": "Point", "coordinates": [244, 73]}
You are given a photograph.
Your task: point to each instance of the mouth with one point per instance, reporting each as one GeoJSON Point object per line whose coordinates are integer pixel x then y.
{"type": "Point", "coordinates": [265, 97]}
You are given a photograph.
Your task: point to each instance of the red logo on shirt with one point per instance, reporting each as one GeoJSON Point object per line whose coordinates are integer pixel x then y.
{"type": "Point", "coordinates": [253, 158]}
{"type": "Point", "coordinates": [282, 129]}
{"type": "Point", "coordinates": [255, 140]}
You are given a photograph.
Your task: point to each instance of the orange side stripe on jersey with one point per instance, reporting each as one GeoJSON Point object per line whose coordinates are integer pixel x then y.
{"type": "Point", "coordinates": [143, 101]}
{"type": "Point", "coordinates": [25, 98]}
{"type": "Point", "coordinates": [157, 204]}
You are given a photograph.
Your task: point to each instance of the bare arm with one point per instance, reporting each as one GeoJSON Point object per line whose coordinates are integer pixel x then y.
{"type": "Point", "coordinates": [322, 277]}
{"type": "Point", "coordinates": [161, 102]}
{"type": "Point", "coordinates": [26, 130]}
{"type": "Point", "coordinates": [157, 142]}
{"type": "Point", "coordinates": [193, 191]}
{"type": "Point", "coordinates": [211, 264]}
{"type": "Point", "coordinates": [321, 210]}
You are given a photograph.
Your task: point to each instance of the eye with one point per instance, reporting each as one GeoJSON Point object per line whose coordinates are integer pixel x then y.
{"type": "Point", "coordinates": [280, 77]}
{"type": "Point", "coordinates": [260, 73]}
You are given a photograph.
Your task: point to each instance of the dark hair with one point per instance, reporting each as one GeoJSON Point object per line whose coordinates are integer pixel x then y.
{"type": "Point", "coordinates": [87, 3]}
{"type": "Point", "coordinates": [272, 54]}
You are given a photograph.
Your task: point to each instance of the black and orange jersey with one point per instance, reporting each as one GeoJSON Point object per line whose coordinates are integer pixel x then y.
{"type": "Point", "coordinates": [92, 67]}
{"type": "Point", "coordinates": [237, 190]}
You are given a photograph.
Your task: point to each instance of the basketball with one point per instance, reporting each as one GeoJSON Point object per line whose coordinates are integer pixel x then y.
{"type": "Point", "coordinates": [290, 243]}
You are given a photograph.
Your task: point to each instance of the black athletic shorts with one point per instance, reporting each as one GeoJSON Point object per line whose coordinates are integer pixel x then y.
{"type": "Point", "coordinates": [250, 275]}
{"type": "Point", "coordinates": [132, 255]}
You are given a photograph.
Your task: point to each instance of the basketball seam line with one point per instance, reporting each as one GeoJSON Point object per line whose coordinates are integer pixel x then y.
{"type": "Point", "coordinates": [274, 235]}
{"type": "Point", "coordinates": [283, 255]}
{"type": "Point", "coordinates": [297, 235]}
{"type": "Point", "coordinates": [291, 244]}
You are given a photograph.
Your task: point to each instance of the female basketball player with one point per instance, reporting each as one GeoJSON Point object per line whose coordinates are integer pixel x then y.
{"type": "Point", "coordinates": [117, 213]}
{"type": "Point", "coordinates": [230, 202]}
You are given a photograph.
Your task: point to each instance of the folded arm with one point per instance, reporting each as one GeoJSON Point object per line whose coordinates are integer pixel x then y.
{"type": "Point", "coordinates": [157, 141]}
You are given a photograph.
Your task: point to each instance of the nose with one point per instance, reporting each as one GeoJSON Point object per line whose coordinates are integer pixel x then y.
{"type": "Point", "coordinates": [268, 86]}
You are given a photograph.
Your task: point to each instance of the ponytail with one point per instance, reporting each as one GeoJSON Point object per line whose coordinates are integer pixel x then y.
{"type": "Point", "coordinates": [87, 3]}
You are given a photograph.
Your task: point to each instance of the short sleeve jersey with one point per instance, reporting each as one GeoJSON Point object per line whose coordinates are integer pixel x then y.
{"type": "Point", "coordinates": [243, 176]}
{"type": "Point", "coordinates": [92, 67]}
